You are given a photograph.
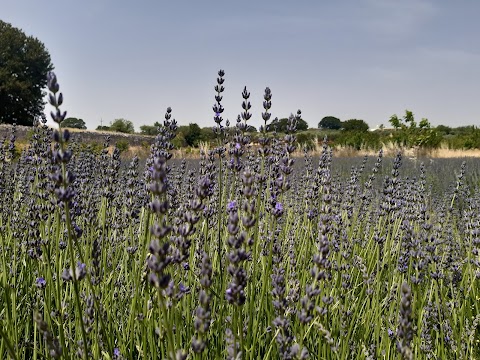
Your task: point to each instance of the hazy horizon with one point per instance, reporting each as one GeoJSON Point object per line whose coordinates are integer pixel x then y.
{"type": "Point", "coordinates": [366, 59]}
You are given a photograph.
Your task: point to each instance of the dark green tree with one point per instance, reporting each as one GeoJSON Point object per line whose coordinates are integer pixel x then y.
{"type": "Point", "coordinates": [330, 122]}
{"type": "Point", "coordinates": [463, 130]}
{"type": "Point", "coordinates": [148, 130]}
{"type": "Point", "coordinates": [445, 130]}
{"type": "Point", "coordinates": [122, 126]}
{"type": "Point", "coordinates": [193, 134]}
{"type": "Point", "coordinates": [208, 134]}
{"type": "Point", "coordinates": [103, 128]}
{"type": "Point", "coordinates": [75, 123]}
{"type": "Point", "coordinates": [24, 63]}
{"type": "Point", "coordinates": [281, 125]}
{"type": "Point", "coordinates": [355, 125]}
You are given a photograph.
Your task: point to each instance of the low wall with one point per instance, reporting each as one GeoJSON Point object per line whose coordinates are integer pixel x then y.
{"type": "Point", "coordinates": [23, 134]}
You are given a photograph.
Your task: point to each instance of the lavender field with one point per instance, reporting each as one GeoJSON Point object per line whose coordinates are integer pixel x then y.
{"type": "Point", "coordinates": [247, 253]}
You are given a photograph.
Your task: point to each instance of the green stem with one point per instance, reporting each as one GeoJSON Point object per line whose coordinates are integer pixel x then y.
{"type": "Point", "coordinates": [219, 220]}
{"type": "Point", "coordinates": [71, 252]}
{"type": "Point", "coordinates": [10, 348]}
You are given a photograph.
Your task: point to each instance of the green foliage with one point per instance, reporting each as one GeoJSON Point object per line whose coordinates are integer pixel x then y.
{"type": "Point", "coordinates": [193, 135]}
{"type": "Point", "coordinates": [207, 134]}
{"type": "Point", "coordinates": [122, 126]}
{"type": "Point", "coordinates": [24, 63]}
{"type": "Point", "coordinates": [408, 134]}
{"type": "Point", "coordinates": [428, 138]}
{"type": "Point", "coordinates": [302, 125]}
{"type": "Point", "coordinates": [395, 122]}
{"type": "Point", "coordinates": [75, 123]}
{"type": "Point", "coordinates": [465, 140]}
{"type": "Point", "coordinates": [179, 141]}
{"type": "Point", "coordinates": [103, 128]}
{"type": "Point", "coordinates": [122, 145]}
{"type": "Point", "coordinates": [463, 130]}
{"type": "Point", "coordinates": [330, 122]}
{"type": "Point", "coordinates": [355, 125]}
{"type": "Point", "coordinates": [444, 130]}
{"type": "Point", "coordinates": [281, 125]}
{"type": "Point", "coordinates": [91, 147]}
{"type": "Point", "coordinates": [306, 140]}
{"type": "Point", "coordinates": [360, 140]}
{"type": "Point", "coordinates": [181, 131]}
{"type": "Point", "coordinates": [149, 130]}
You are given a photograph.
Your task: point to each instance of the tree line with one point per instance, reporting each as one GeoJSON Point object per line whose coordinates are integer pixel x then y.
{"type": "Point", "coordinates": [403, 131]}
{"type": "Point", "coordinates": [25, 61]}
{"type": "Point", "coordinates": [187, 135]}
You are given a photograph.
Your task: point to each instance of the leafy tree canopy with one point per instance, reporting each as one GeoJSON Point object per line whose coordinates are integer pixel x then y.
{"type": "Point", "coordinates": [408, 133]}
{"type": "Point", "coordinates": [408, 121]}
{"type": "Point", "coordinates": [122, 126]}
{"type": "Point", "coordinates": [208, 134]}
{"type": "Point", "coordinates": [149, 130]}
{"type": "Point", "coordinates": [75, 123]}
{"type": "Point", "coordinates": [330, 122]}
{"type": "Point", "coordinates": [447, 130]}
{"type": "Point", "coordinates": [193, 134]}
{"type": "Point", "coordinates": [281, 125]}
{"type": "Point", "coordinates": [355, 125]}
{"type": "Point", "coordinates": [463, 130]}
{"type": "Point", "coordinates": [24, 63]}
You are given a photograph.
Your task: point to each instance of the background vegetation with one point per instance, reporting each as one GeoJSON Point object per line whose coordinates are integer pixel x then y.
{"type": "Point", "coordinates": [24, 63]}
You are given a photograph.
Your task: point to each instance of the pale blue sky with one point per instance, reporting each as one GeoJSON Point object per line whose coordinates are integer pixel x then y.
{"type": "Point", "coordinates": [365, 59]}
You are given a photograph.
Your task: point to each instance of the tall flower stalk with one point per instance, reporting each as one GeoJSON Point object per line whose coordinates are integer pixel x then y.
{"type": "Point", "coordinates": [64, 193]}
{"type": "Point", "coordinates": [220, 150]}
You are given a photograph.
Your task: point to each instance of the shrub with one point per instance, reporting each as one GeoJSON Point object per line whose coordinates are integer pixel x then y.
{"type": "Point", "coordinates": [122, 126]}
{"type": "Point", "coordinates": [122, 145]}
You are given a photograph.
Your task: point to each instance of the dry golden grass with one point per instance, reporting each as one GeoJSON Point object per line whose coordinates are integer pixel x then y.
{"type": "Point", "coordinates": [449, 153]}
{"type": "Point", "coordinates": [389, 150]}
{"type": "Point", "coordinates": [194, 153]}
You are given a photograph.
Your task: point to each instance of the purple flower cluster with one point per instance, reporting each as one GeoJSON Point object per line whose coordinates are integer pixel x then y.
{"type": "Point", "coordinates": [245, 253]}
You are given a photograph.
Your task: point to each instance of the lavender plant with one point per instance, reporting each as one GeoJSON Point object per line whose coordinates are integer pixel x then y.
{"type": "Point", "coordinates": [245, 253]}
